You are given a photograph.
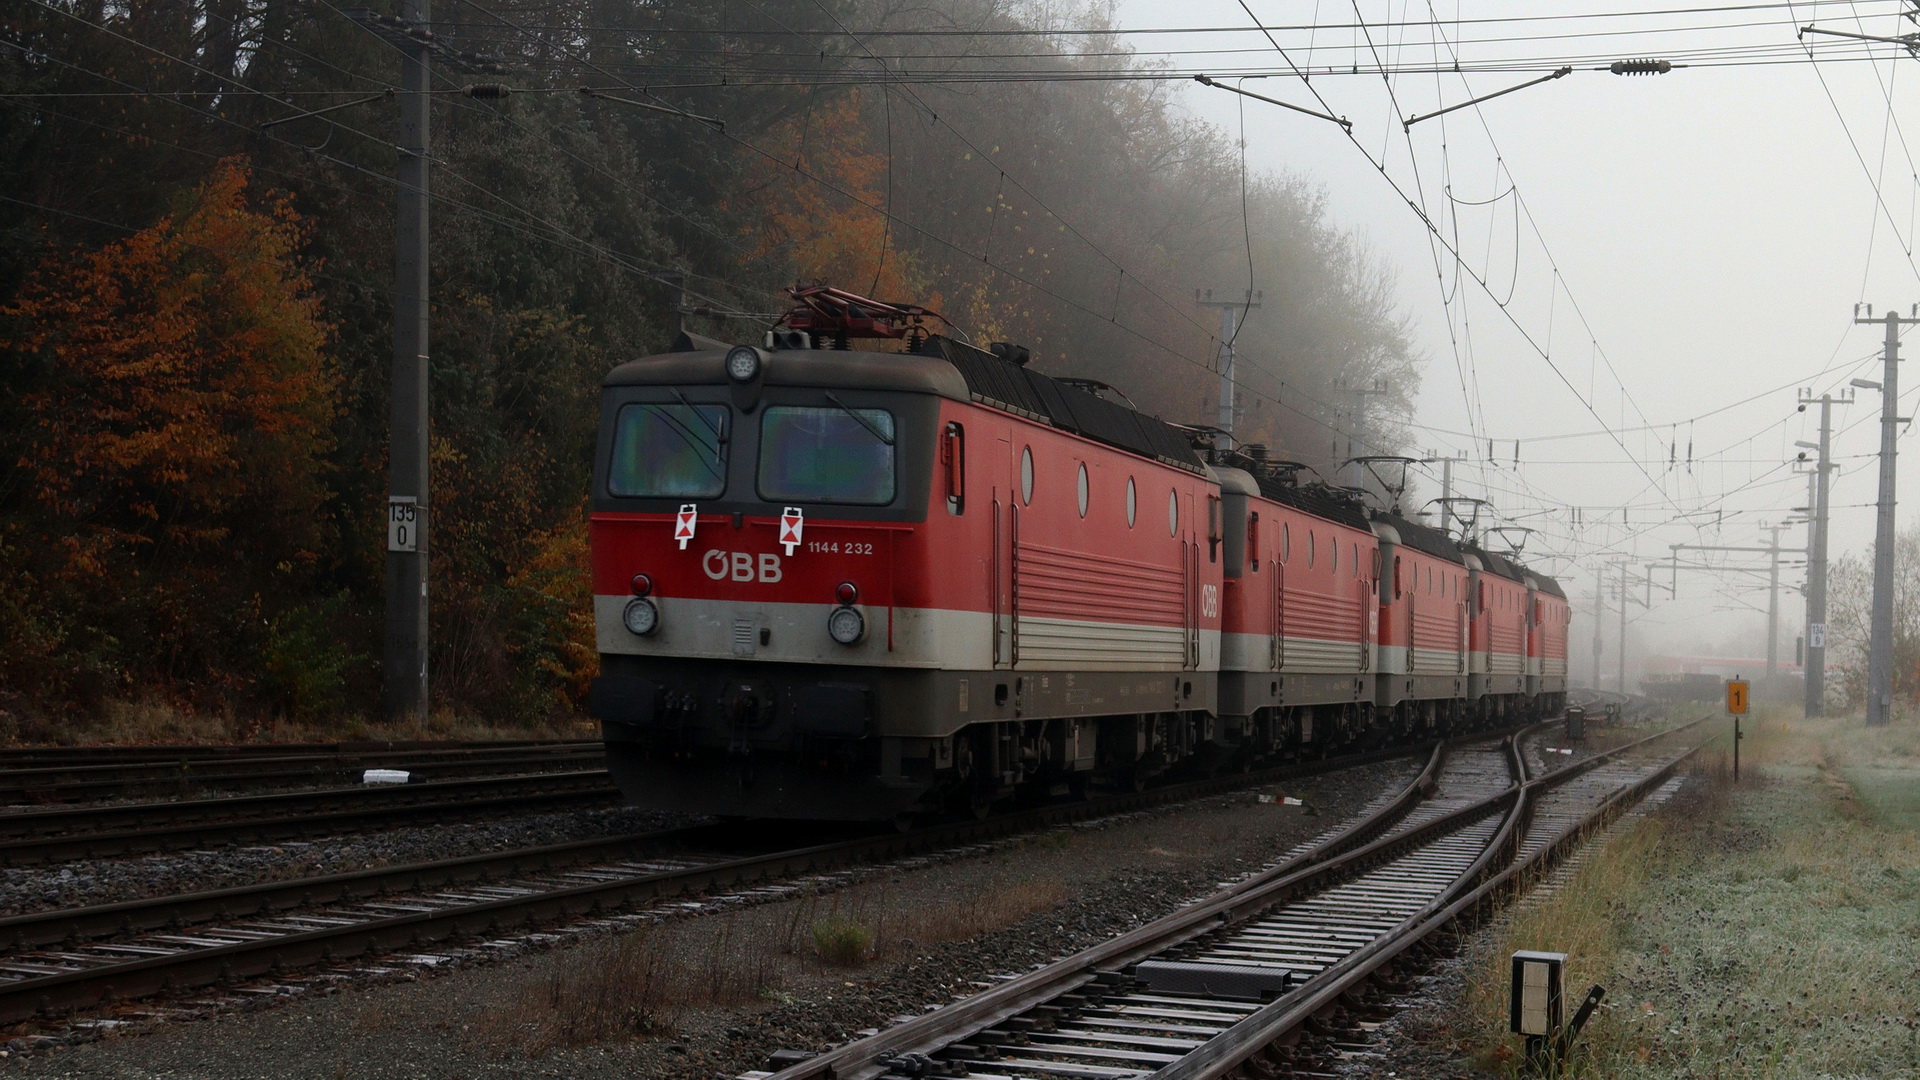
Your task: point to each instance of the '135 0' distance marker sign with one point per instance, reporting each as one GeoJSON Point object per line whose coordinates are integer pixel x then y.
{"type": "Point", "coordinates": [403, 523]}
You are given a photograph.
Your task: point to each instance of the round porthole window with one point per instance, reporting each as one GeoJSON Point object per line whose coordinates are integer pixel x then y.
{"type": "Point", "coordinates": [1132, 502]}
{"type": "Point", "coordinates": [1083, 489]}
{"type": "Point", "coordinates": [1026, 475]}
{"type": "Point", "coordinates": [1173, 513]}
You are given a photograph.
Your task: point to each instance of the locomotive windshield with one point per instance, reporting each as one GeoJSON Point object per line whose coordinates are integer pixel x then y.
{"type": "Point", "coordinates": [669, 450]}
{"type": "Point", "coordinates": [828, 455]}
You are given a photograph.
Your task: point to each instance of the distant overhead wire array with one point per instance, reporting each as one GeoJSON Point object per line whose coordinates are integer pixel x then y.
{"type": "Point", "coordinates": [661, 60]}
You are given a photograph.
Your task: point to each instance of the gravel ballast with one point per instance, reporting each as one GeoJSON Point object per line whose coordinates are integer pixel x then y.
{"type": "Point", "coordinates": [1079, 884]}
{"type": "Point", "coordinates": [86, 882]}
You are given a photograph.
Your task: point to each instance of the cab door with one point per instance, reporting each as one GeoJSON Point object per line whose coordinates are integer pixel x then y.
{"type": "Point", "coordinates": [1000, 585]}
{"type": "Point", "coordinates": [1277, 654]}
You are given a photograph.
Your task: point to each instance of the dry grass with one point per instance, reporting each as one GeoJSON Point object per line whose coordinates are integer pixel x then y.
{"type": "Point", "coordinates": [1770, 929]}
{"type": "Point", "coordinates": [636, 985]}
{"type": "Point", "coordinates": [878, 922]}
{"type": "Point", "coordinates": [641, 984]}
{"type": "Point", "coordinates": [1586, 919]}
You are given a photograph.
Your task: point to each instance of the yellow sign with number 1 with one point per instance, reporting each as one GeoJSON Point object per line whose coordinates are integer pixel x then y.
{"type": "Point", "coordinates": [1737, 697]}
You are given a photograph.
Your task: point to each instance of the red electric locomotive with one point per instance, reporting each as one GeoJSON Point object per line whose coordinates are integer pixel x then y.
{"type": "Point", "coordinates": [860, 585]}
{"type": "Point", "coordinates": [832, 583]}
{"type": "Point", "coordinates": [1297, 654]}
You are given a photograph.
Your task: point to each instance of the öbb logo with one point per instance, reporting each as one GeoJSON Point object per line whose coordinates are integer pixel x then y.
{"type": "Point", "coordinates": [740, 566]}
{"type": "Point", "coordinates": [1209, 601]}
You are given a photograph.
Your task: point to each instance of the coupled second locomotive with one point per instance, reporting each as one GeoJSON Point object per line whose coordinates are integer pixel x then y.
{"type": "Point", "coordinates": [845, 584]}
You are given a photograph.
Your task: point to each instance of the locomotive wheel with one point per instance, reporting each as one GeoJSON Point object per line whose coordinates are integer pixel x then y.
{"type": "Point", "coordinates": [979, 801]}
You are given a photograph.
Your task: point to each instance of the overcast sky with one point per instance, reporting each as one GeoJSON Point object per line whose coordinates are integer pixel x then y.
{"type": "Point", "coordinates": [1704, 233]}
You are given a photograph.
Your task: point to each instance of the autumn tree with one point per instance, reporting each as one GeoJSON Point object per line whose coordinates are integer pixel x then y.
{"type": "Point", "coordinates": [834, 229]}
{"type": "Point", "coordinates": [174, 444]}
{"type": "Point", "coordinates": [1849, 621]}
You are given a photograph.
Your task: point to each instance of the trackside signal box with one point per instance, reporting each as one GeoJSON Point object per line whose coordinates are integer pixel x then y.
{"type": "Point", "coordinates": [1736, 697]}
{"type": "Point", "coordinates": [1535, 1005]}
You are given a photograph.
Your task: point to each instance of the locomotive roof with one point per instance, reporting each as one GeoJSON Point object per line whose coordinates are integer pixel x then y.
{"type": "Point", "coordinates": [1497, 565]}
{"type": "Point", "coordinates": [1422, 537]}
{"type": "Point", "coordinates": [828, 368]}
{"type": "Point", "coordinates": [1513, 571]}
{"type": "Point", "coordinates": [1001, 384]}
{"type": "Point", "coordinates": [943, 366]}
{"type": "Point", "coordinates": [1316, 500]}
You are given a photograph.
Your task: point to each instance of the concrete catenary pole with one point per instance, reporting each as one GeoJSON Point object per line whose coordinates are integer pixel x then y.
{"type": "Point", "coordinates": [1810, 700]}
{"type": "Point", "coordinates": [1231, 312]}
{"type": "Point", "coordinates": [1599, 621]}
{"type": "Point", "coordinates": [1623, 628]}
{"type": "Point", "coordinates": [1773, 604]}
{"type": "Point", "coordinates": [405, 665]}
{"type": "Point", "coordinates": [1815, 666]}
{"type": "Point", "coordinates": [1880, 641]}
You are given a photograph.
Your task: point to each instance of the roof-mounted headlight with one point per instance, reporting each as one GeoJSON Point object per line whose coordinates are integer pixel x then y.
{"type": "Point", "coordinates": [743, 363]}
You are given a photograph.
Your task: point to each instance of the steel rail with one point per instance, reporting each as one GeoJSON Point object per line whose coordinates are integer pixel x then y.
{"type": "Point", "coordinates": [121, 829]}
{"type": "Point", "coordinates": [1222, 1055]}
{"type": "Point", "coordinates": [55, 993]}
{"type": "Point", "coordinates": [129, 754]}
{"type": "Point", "coordinates": [873, 1057]}
{"type": "Point", "coordinates": [41, 784]}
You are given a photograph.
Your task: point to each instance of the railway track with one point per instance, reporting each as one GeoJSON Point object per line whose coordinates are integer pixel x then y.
{"type": "Point", "coordinates": [57, 962]}
{"type": "Point", "coordinates": [109, 775]}
{"type": "Point", "coordinates": [47, 836]}
{"type": "Point", "coordinates": [131, 754]}
{"type": "Point", "coordinates": [1221, 987]}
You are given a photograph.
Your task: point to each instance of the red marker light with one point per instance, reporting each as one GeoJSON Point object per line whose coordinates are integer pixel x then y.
{"type": "Point", "coordinates": [847, 593]}
{"type": "Point", "coordinates": [641, 584]}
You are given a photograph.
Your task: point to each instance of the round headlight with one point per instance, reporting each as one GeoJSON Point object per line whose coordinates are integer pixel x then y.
{"type": "Point", "coordinates": [641, 617]}
{"type": "Point", "coordinates": [743, 364]}
{"type": "Point", "coordinates": [846, 625]}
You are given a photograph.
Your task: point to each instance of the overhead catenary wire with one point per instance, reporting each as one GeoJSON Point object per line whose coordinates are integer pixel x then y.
{"type": "Point", "coordinates": [1384, 67]}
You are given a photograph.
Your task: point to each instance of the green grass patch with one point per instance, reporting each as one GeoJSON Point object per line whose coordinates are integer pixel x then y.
{"type": "Point", "coordinates": [842, 942]}
{"type": "Point", "coordinates": [1890, 795]}
{"type": "Point", "coordinates": [1769, 929]}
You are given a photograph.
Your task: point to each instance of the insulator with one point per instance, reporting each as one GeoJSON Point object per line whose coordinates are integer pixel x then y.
{"type": "Point", "coordinates": [1640, 67]}
{"type": "Point", "coordinates": [489, 91]}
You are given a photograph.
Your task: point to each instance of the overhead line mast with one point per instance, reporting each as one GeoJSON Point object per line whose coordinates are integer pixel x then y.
{"type": "Point", "coordinates": [1880, 636]}
{"type": "Point", "coordinates": [1815, 662]}
{"type": "Point", "coordinates": [405, 663]}
{"type": "Point", "coordinates": [1231, 312]}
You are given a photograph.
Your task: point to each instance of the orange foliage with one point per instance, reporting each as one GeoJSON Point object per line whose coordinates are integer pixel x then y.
{"type": "Point", "coordinates": [828, 237]}
{"type": "Point", "coordinates": [559, 573]}
{"type": "Point", "coordinates": [191, 386]}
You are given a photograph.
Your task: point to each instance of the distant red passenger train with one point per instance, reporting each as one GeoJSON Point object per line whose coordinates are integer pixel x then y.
{"type": "Point", "coordinates": [842, 584]}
